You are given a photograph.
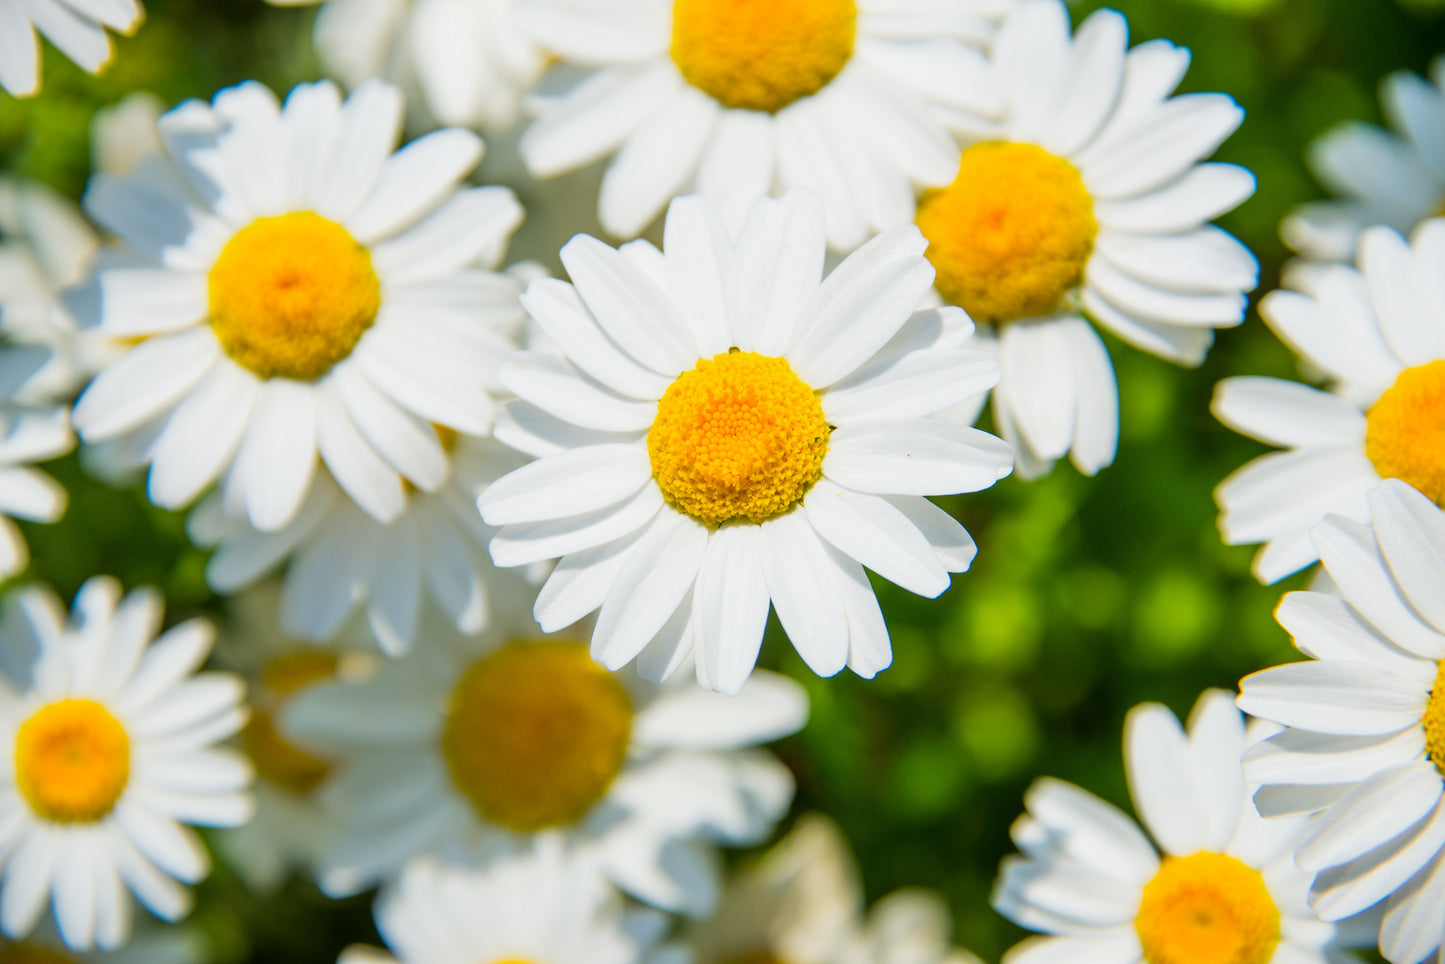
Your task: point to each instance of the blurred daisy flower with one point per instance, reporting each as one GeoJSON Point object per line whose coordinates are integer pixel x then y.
{"type": "Point", "coordinates": [297, 288]}
{"type": "Point", "coordinates": [28, 434]}
{"type": "Point", "coordinates": [726, 429]}
{"type": "Point", "coordinates": [471, 748]}
{"type": "Point", "coordinates": [1090, 202]}
{"type": "Point", "coordinates": [1225, 890]}
{"type": "Point", "coordinates": [111, 740]}
{"type": "Point", "coordinates": [76, 27]}
{"type": "Point", "coordinates": [1378, 334]}
{"type": "Point", "coordinates": [735, 100]}
{"type": "Point", "coordinates": [1365, 746]}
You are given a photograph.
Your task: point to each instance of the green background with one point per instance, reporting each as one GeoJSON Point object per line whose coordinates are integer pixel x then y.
{"type": "Point", "coordinates": [1088, 596]}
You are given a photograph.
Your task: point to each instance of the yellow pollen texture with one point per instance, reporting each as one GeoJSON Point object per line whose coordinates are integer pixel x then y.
{"type": "Point", "coordinates": [72, 761]}
{"type": "Point", "coordinates": [31, 954]}
{"type": "Point", "coordinates": [1010, 236]}
{"type": "Point", "coordinates": [291, 296]}
{"type": "Point", "coordinates": [1207, 908]}
{"type": "Point", "coordinates": [737, 437]}
{"type": "Point", "coordinates": [1434, 722]}
{"type": "Point", "coordinates": [762, 54]}
{"type": "Point", "coordinates": [277, 759]}
{"type": "Point", "coordinates": [1405, 433]}
{"type": "Point", "coordinates": [536, 733]}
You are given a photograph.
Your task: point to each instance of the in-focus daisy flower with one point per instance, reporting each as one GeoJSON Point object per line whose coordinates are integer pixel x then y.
{"type": "Point", "coordinates": [76, 27]}
{"type": "Point", "coordinates": [735, 99]}
{"type": "Point", "coordinates": [727, 429]}
{"type": "Point", "coordinates": [802, 903]}
{"type": "Point", "coordinates": [110, 740]}
{"type": "Point", "coordinates": [1091, 203]}
{"type": "Point", "coordinates": [541, 908]}
{"type": "Point", "coordinates": [1378, 335]}
{"type": "Point", "coordinates": [28, 434]}
{"type": "Point", "coordinates": [1392, 177]}
{"type": "Point", "coordinates": [467, 749]}
{"type": "Point", "coordinates": [465, 58]}
{"type": "Point", "coordinates": [1225, 890]}
{"type": "Point", "coordinates": [298, 289]}
{"type": "Point", "coordinates": [1365, 744]}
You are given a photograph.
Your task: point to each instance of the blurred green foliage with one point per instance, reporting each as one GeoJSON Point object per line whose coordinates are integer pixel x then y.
{"type": "Point", "coordinates": [1089, 595]}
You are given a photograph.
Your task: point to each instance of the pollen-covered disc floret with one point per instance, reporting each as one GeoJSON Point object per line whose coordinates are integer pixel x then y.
{"type": "Point", "coordinates": [1207, 908]}
{"type": "Point", "coordinates": [1011, 235]}
{"type": "Point", "coordinates": [737, 437]}
{"type": "Point", "coordinates": [292, 295]}
{"type": "Point", "coordinates": [536, 733]}
{"type": "Point", "coordinates": [762, 54]}
{"type": "Point", "coordinates": [72, 761]}
{"type": "Point", "coordinates": [1405, 434]}
{"type": "Point", "coordinates": [1434, 722]}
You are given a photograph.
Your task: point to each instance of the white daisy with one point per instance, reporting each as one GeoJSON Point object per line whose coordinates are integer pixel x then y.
{"type": "Point", "coordinates": [28, 434]}
{"type": "Point", "coordinates": [735, 100]}
{"type": "Point", "coordinates": [1378, 334]}
{"type": "Point", "coordinates": [299, 290]}
{"type": "Point", "coordinates": [803, 903]}
{"type": "Point", "coordinates": [468, 748]}
{"type": "Point", "coordinates": [1392, 177]}
{"type": "Point", "coordinates": [1365, 744]}
{"type": "Point", "coordinates": [76, 27]}
{"type": "Point", "coordinates": [1226, 890]}
{"type": "Point", "coordinates": [111, 755]}
{"type": "Point", "coordinates": [728, 430]}
{"type": "Point", "coordinates": [1090, 203]}
{"type": "Point", "coordinates": [541, 908]}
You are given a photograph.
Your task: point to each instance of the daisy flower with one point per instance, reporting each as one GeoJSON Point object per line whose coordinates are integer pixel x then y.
{"type": "Point", "coordinates": [542, 908]}
{"type": "Point", "coordinates": [296, 288]}
{"type": "Point", "coordinates": [1364, 747]}
{"type": "Point", "coordinates": [1393, 177]}
{"type": "Point", "coordinates": [1226, 889]}
{"type": "Point", "coordinates": [465, 58]}
{"type": "Point", "coordinates": [1090, 203]}
{"type": "Point", "coordinates": [28, 434]}
{"type": "Point", "coordinates": [76, 27]}
{"type": "Point", "coordinates": [803, 903]}
{"type": "Point", "coordinates": [735, 100]}
{"type": "Point", "coordinates": [1378, 334]}
{"type": "Point", "coordinates": [111, 755]}
{"type": "Point", "coordinates": [727, 429]}
{"type": "Point", "coordinates": [472, 747]}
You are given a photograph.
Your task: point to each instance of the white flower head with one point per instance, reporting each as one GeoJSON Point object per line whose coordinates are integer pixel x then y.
{"type": "Point", "coordinates": [28, 434]}
{"type": "Point", "coordinates": [76, 27]}
{"type": "Point", "coordinates": [736, 100]}
{"type": "Point", "coordinates": [468, 749]}
{"type": "Point", "coordinates": [110, 736]}
{"type": "Point", "coordinates": [1225, 888]}
{"type": "Point", "coordinates": [541, 907]}
{"type": "Point", "coordinates": [1089, 203]}
{"type": "Point", "coordinates": [301, 289]}
{"type": "Point", "coordinates": [1364, 744]}
{"type": "Point", "coordinates": [730, 430]}
{"type": "Point", "coordinates": [1378, 334]}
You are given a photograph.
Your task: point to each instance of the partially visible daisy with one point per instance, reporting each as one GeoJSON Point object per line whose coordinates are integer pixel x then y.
{"type": "Point", "coordinates": [153, 943]}
{"type": "Point", "coordinates": [1090, 204]}
{"type": "Point", "coordinates": [110, 756]}
{"type": "Point", "coordinates": [28, 434]}
{"type": "Point", "coordinates": [730, 430]}
{"type": "Point", "coordinates": [1393, 177]}
{"type": "Point", "coordinates": [76, 27]}
{"type": "Point", "coordinates": [298, 289]}
{"type": "Point", "coordinates": [1364, 747]}
{"type": "Point", "coordinates": [1378, 334]}
{"type": "Point", "coordinates": [543, 907]}
{"type": "Point", "coordinates": [802, 903]}
{"type": "Point", "coordinates": [1225, 890]}
{"type": "Point", "coordinates": [737, 99]}
{"type": "Point", "coordinates": [470, 748]}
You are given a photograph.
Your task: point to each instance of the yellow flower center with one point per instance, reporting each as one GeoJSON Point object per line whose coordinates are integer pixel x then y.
{"type": "Point", "coordinates": [72, 761]}
{"type": "Point", "coordinates": [762, 54]}
{"type": "Point", "coordinates": [535, 734]}
{"type": "Point", "coordinates": [1405, 437]}
{"type": "Point", "coordinates": [737, 437]}
{"type": "Point", "coordinates": [1207, 908]}
{"type": "Point", "coordinates": [1434, 722]}
{"type": "Point", "coordinates": [30, 954]}
{"type": "Point", "coordinates": [277, 759]}
{"type": "Point", "coordinates": [1010, 236]}
{"type": "Point", "coordinates": [292, 295]}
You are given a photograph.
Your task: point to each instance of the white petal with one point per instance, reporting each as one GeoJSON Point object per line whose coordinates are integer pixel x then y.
{"type": "Point", "coordinates": [873, 532]}
{"type": "Point", "coordinates": [804, 590]}
{"type": "Point", "coordinates": [915, 456]}
{"type": "Point", "coordinates": [566, 484]}
{"type": "Point", "coordinates": [649, 587]}
{"type": "Point", "coordinates": [413, 181]}
{"type": "Point", "coordinates": [149, 378]}
{"type": "Point", "coordinates": [731, 605]}
{"type": "Point", "coordinates": [277, 458]}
